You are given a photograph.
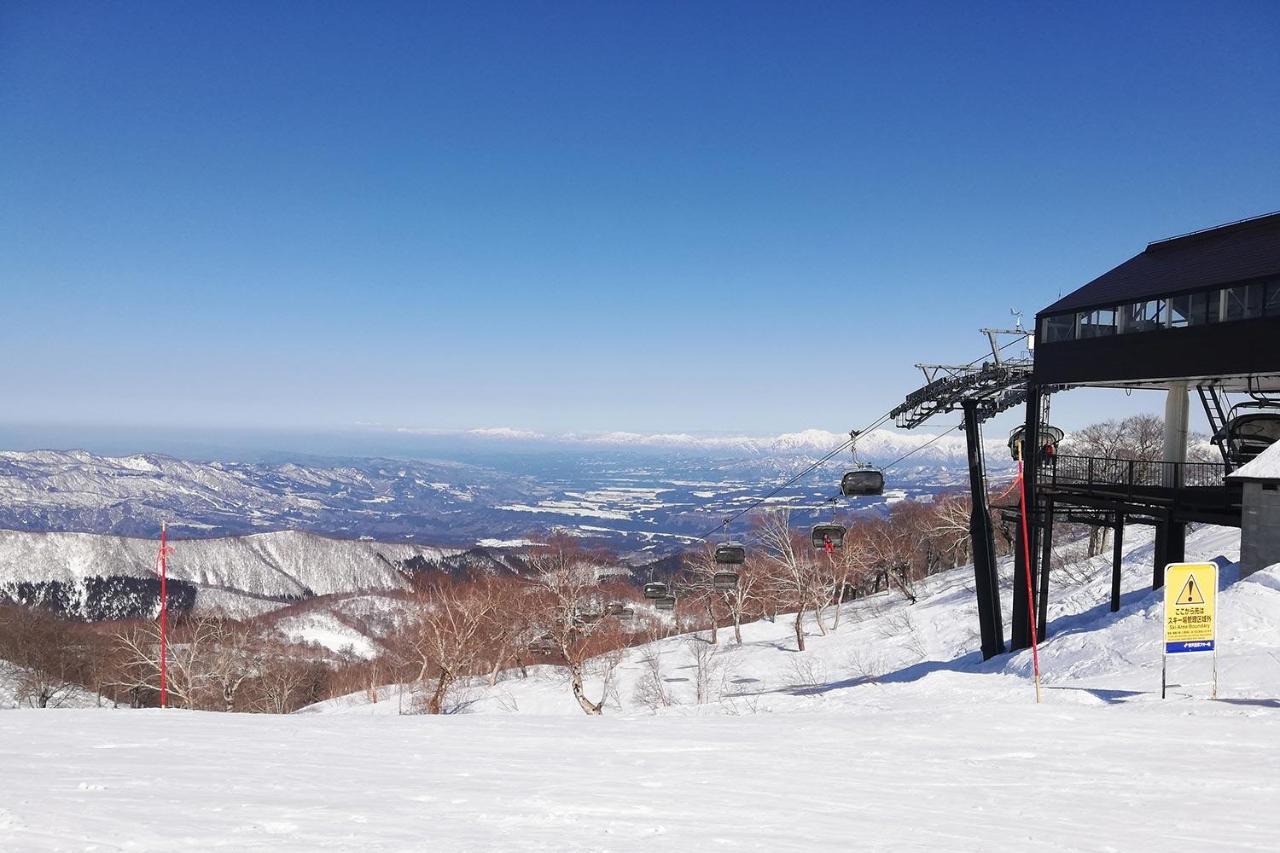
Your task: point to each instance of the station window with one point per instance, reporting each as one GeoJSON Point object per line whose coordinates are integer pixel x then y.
{"type": "Point", "coordinates": [1059, 328]}
{"type": "Point", "coordinates": [1271, 298]}
{"type": "Point", "coordinates": [1097, 323]}
{"type": "Point", "coordinates": [1226, 304]}
{"type": "Point", "coordinates": [1242, 302]}
{"type": "Point", "coordinates": [1143, 316]}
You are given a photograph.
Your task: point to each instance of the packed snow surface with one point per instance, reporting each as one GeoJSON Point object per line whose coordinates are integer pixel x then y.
{"type": "Point", "coordinates": [889, 733]}
{"type": "Point", "coordinates": [1266, 465]}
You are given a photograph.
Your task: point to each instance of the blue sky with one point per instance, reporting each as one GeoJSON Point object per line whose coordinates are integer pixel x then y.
{"type": "Point", "coordinates": [705, 217]}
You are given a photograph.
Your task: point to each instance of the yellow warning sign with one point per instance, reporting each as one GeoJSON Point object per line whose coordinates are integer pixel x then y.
{"type": "Point", "coordinates": [1190, 596]}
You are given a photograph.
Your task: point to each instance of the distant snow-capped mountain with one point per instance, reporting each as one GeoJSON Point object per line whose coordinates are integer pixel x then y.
{"type": "Point", "coordinates": [878, 445]}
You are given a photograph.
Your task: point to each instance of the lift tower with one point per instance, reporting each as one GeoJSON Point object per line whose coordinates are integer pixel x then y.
{"type": "Point", "coordinates": [980, 392]}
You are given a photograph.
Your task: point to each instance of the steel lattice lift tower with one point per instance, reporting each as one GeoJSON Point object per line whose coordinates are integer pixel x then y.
{"type": "Point", "coordinates": [980, 392]}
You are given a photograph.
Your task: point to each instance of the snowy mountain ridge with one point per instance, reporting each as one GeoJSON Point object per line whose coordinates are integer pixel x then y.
{"type": "Point", "coordinates": [281, 565]}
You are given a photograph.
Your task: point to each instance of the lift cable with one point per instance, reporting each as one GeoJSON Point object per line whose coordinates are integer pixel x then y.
{"type": "Point", "coordinates": [849, 442]}
{"type": "Point", "coordinates": [756, 503]}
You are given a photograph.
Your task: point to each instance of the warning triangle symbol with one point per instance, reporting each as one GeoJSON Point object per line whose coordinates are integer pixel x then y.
{"type": "Point", "coordinates": [1191, 592]}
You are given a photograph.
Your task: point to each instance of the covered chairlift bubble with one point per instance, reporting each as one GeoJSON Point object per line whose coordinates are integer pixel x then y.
{"type": "Point", "coordinates": [862, 480]}
{"type": "Point", "coordinates": [665, 603]}
{"type": "Point", "coordinates": [543, 645]}
{"type": "Point", "coordinates": [655, 590]}
{"type": "Point", "coordinates": [1050, 438]}
{"type": "Point", "coordinates": [587, 617]}
{"type": "Point", "coordinates": [618, 609]}
{"type": "Point", "coordinates": [730, 554]}
{"type": "Point", "coordinates": [828, 534]}
{"type": "Point", "coordinates": [724, 581]}
{"type": "Point", "coordinates": [1246, 433]}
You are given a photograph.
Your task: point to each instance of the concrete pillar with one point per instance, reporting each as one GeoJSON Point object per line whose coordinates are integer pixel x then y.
{"type": "Point", "coordinates": [1171, 535]}
{"type": "Point", "coordinates": [1177, 410]}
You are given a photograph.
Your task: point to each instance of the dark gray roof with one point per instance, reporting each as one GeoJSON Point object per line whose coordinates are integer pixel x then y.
{"type": "Point", "coordinates": [1229, 253]}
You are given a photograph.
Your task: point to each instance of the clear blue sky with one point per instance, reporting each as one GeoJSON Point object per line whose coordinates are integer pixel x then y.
{"type": "Point", "coordinates": [691, 216]}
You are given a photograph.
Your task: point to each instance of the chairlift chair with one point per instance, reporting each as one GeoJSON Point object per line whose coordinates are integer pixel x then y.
{"type": "Point", "coordinates": [665, 603]}
{"type": "Point", "coordinates": [731, 554]}
{"type": "Point", "coordinates": [724, 581]}
{"type": "Point", "coordinates": [822, 534]}
{"type": "Point", "coordinates": [614, 608]}
{"type": "Point", "coordinates": [1050, 438]}
{"type": "Point", "coordinates": [656, 590]}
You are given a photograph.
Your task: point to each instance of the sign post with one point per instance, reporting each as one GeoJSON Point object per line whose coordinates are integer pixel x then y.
{"type": "Point", "coordinates": [1190, 615]}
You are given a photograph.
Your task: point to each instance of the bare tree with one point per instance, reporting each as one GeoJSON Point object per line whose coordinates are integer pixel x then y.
{"type": "Point", "coordinates": [49, 662]}
{"type": "Point", "coordinates": [446, 640]}
{"type": "Point", "coordinates": [891, 551]}
{"type": "Point", "coordinates": [790, 572]}
{"type": "Point", "coordinates": [571, 607]}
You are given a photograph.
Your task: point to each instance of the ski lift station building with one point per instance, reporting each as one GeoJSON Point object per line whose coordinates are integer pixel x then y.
{"type": "Point", "coordinates": [1196, 313]}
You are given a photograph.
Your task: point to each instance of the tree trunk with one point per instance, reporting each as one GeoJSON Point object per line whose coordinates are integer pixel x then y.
{"type": "Point", "coordinates": [844, 579]}
{"type": "Point", "coordinates": [818, 608]}
{"type": "Point", "coordinates": [737, 625]}
{"type": "Point", "coordinates": [435, 705]}
{"type": "Point", "coordinates": [711, 615]}
{"type": "Point", "coordinates": [591, 709]}
{"type": "Point", "coordinates": [799, 626]}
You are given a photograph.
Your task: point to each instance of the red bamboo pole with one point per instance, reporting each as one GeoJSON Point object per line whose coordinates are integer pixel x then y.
{"type": "Point", "coordinates": [164, 615]}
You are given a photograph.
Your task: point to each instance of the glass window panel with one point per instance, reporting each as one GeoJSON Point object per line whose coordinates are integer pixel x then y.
{"type": "Point", "coordinates": [1271, 298]}
{"type": "Point", "coordinates": [1235, 304]}
{"type": "Point", "coordinates": [1060, 328]}
{"type": "Point", "coordinates": [1104, 320]}
{"type": "Point", "coordinates": [1253, 301]}
{"type": "Point", "coordinates": [1180, 312]}
{"type": "Point", "coordinates": [1084, 328]}
{"type": "Point", "coordinates": [1143, 316]}
{"type": "Point", "coordinates": [1199, 311]}
{"type": "Point", "coordinates": [1128, 319]}
{"type": "Point", "coordinates": [1097, 323]}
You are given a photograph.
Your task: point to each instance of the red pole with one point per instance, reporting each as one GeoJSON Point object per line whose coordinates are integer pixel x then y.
{"type": "Point", "coordinates": [164, 615]}
{"type": "Point", "coordinates": [1026, 553]}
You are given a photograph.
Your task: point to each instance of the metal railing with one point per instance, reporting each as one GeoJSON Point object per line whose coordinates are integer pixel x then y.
{"type": "Point", "coordinates": [1129, 473]}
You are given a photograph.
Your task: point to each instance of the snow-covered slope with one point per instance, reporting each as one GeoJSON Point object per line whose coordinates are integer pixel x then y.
{"type": "Point", "coordinates": [274, 565]}
{"type": "Point", "coordinates": [889, 649]}
{"type": "Point", "coordinates": [888, 734]}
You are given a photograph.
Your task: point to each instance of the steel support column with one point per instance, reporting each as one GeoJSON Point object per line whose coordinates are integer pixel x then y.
{"type": "Point", "coordinates": [1170, 547]}
{"type": "Point", "coordinates": [1020, 629]}
{"type": "Point", "coordinates": [1046, 552]}
{"type": "Point", "coordinates": [986, 582]}
{"type": "Point", "coordinates": [1117, 546]}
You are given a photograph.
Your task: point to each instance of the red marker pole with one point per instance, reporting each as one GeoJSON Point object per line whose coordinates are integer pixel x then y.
{"type": "Point", "coordinates": [164, 615]}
